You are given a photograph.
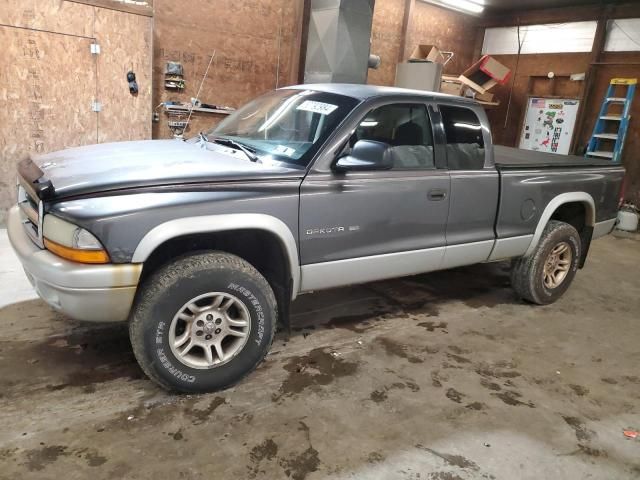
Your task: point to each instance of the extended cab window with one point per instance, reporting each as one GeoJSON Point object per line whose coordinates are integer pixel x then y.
{"type": "Point", "coordinates": [406, 128]}
{"type": "Point", "coordinates": [465, 145]}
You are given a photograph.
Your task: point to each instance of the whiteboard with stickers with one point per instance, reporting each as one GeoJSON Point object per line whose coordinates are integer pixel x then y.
{"type": "Point", "coordinates": [549, 124]}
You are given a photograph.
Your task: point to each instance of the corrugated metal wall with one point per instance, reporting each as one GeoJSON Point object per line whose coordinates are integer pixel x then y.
{"type": "Point", "coordinates": [623, 35]}
{"type": "Point", "coordinates": [550, 38]}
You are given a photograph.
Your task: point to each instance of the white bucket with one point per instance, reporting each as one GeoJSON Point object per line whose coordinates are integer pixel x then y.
{"type": "Point", "coordinates": [627, 221]}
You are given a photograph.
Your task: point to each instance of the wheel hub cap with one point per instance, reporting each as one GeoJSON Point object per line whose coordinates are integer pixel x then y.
{"type": "Point", "coordinates": [209, 327]}
{"type": "Point", "coordinates": [557, 265]}
{"type": "Point", "coordinates": [209, 330]}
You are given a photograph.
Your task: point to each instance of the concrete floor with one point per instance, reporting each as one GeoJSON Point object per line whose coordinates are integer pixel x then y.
{"type": "Point", "coordinates": [443, 376]}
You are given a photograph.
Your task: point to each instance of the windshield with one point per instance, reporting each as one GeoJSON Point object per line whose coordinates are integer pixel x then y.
{"type": "Point", "coordinates": [286, 125]}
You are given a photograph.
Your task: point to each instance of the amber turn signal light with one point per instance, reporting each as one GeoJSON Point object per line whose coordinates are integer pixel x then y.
{"type": "Point", "coordinates": [75, 255]}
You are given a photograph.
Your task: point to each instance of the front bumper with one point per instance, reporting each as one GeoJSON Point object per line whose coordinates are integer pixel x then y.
{"type": "Point", "coordinates": [95, 293]}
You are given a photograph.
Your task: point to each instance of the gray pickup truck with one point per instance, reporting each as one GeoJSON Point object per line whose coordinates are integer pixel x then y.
{"type": "Point", "coordinates": [202, 245]}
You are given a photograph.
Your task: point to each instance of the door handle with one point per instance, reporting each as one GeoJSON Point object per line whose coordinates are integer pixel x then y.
{"type": "Point", "coordinates": [437, 194]}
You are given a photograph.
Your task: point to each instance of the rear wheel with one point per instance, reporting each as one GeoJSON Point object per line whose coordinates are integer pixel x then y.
{"type": "Point", "coordinates": [545, 275]}
{"type": "Point", "coordinates": [203, 322]}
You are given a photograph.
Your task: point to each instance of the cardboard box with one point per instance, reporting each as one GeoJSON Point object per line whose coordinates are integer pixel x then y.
{"type": "Point", "coordinates": [477, 88]}
{"type": "Point", "coordinates": [451, 85]}
{"type": "Point", "coordinates": [485, 74]}
{"type": "Point", "coordinates": [481, 97]}
{"type": "Point", "coordinates": [419, 76]}
{"type": "Point", "coordinates": [495, 69]}
{"type": "Point", "coordinates": [426, 53]}
{"type": "Point", "coordinates": [484, 97]}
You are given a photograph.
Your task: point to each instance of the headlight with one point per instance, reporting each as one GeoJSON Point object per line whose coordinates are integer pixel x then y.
{"type": "Point", "coordinates": [72, 242]}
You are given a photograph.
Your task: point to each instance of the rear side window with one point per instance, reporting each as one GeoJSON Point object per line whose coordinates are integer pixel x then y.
{"type": "Point", "coordinates": [406, 129]}
{"type": "Point", "coordinates": [465, 145]}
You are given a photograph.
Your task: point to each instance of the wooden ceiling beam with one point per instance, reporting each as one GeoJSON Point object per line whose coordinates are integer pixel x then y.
{"type": "Point", "coordinates": [559, 15]}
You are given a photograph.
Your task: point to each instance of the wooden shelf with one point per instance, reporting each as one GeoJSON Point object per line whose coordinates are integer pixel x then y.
{"type": "Point", "coordinates": [186, 108]}
{"type": "Point", "coordinates": [488, 105]}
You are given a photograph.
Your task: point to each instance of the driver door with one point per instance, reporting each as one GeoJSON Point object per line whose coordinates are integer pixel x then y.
{"type": "Point", "coordinates": [368, 225]}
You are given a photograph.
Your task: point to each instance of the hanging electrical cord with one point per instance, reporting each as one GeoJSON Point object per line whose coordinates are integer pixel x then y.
{"type": "Point", "coordinates": [515, 73]}
{"type": "Point", "coordinates": [199, 88]}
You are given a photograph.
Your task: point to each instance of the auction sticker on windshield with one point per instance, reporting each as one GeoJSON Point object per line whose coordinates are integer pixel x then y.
{"type": "Point", "coordinates": [284, 150]}
{"type": "Point", "coordinates": [317, 107]}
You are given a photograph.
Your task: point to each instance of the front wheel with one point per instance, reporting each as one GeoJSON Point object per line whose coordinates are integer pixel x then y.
{"type": "Point", "coordinates": [545, 275]}
{"type": "Point", "coordinates": [203, 322]}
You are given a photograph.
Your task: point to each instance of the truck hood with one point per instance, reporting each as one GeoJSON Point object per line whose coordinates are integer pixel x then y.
{"type": "Point", "coordinates": [120, 165]}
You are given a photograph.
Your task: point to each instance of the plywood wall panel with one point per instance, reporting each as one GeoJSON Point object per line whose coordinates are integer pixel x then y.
{"type": "Point", "coordinates": [529, 65]}
{"type": "Point", "coordinates": [200, 122]}
{"type": "Point", "coordinates": [238, 73]}
{"type": "Point", "coordinates": [125, 44]}
{"type": "Point", "coordinates": [40, 115]}
{"type": "Point", "coordinates": [139, 7]}
{"type": "Point", "coordinates": [250, 38]}
{"type": "Point", "coordinates": [255, 17]}
{"type": "Point", "coordinates": [49, 79]}
{"type": "Point", "coordinates": [255, 42]}
{"type": "Point", "coordinates": [449, 30]}
{"type": "Point", "coordinates": [51, 15]}
{"type": "Point", "coordinates": [291, 41]}
{"type": "Point", "coordinates": [386, 36]}
{"type": "Point", "coordinates": [431, 25]}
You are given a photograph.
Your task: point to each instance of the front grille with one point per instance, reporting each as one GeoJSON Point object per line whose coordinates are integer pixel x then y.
{"type": "Point", "coordinates": [31, 215]}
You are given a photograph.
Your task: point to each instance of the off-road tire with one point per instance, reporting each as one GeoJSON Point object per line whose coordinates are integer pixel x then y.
{"type": "Point", "coordinates": [161, 297]}
{"type": "Point", "coordinates": [527, 273]}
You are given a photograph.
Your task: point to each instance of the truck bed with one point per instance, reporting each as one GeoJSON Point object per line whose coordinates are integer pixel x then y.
{"type": "Point", "coordinates": [529, 181]}
{"type": "Point", "coordinates": [509, 157]}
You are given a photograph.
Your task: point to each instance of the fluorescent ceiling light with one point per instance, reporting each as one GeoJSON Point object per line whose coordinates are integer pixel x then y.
{"type": "Point", "coordinates": [471, 6]}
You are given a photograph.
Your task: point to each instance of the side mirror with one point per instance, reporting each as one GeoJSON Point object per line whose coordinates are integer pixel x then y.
{"type": "Point", "coordinates": [366, 155]}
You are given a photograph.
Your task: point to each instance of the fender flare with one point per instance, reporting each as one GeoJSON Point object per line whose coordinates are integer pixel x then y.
{"type": "Point", "coordinates": [552, 206]}
{"type": "Point", "coordinates": [221, 223]}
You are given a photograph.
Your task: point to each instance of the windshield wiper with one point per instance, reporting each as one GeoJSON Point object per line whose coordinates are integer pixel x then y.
{"type": "Point", "coordinates": [230, 143]}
